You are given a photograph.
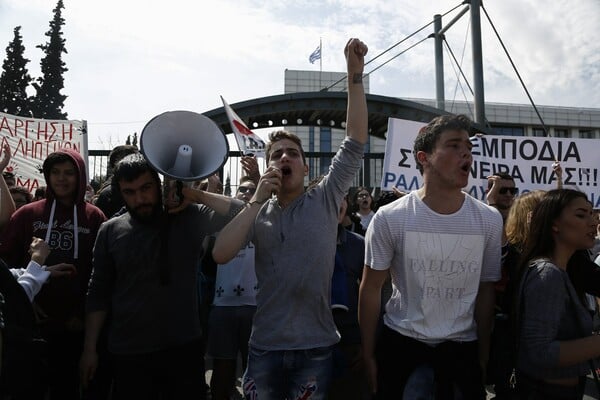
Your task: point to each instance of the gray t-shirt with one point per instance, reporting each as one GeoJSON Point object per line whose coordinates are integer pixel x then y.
{"type": "Point", "coordinates": [295, 255]}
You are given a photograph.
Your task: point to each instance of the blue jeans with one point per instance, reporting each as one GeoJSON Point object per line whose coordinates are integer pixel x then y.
{"type": "Point", "coordinates": [420, 384]}
{"type": "Point", "coordinates": [288, 374]}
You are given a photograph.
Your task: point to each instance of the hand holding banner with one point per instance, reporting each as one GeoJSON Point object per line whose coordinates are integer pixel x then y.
{"type": "Point", "coordinates": [31, 140]}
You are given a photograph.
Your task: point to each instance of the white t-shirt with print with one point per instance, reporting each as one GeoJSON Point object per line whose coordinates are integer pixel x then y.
{"type": "Point", "coordinates": [235, 284]}
{"type": "Point", "coordinates": [437, 262]}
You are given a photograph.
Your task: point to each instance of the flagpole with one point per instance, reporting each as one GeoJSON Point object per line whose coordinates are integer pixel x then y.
{"type": "Point", "coordinates": [320, 63]}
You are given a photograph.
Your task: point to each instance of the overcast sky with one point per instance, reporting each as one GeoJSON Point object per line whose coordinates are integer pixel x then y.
{"type": "Point", "coordinates": [130, 60]}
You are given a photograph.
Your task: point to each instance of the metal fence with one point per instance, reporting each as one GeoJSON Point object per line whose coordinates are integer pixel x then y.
{"type": "Point", "coordinates": [369, 174]}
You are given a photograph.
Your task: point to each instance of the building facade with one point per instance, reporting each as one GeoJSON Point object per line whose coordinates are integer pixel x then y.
{"type": "Point", "coordinates": [504, 119]}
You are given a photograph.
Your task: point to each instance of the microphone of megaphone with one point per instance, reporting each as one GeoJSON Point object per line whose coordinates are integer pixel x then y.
{"type": "Point", "coordinates": [183, 161]}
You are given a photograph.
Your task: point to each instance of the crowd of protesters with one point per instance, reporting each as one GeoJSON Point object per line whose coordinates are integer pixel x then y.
{"type": "Point", "coordinates": [323, 292]}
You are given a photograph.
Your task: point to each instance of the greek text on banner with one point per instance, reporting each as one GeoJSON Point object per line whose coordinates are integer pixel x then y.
{"type": "Point", "coordinates": [527, 159]}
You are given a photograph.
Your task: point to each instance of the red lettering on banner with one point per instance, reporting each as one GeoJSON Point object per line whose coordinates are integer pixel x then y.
{"type": "Point", "coordinates": [26, 148]}
{"type": "Point", "coordinates": [19, 124]}
{"type": "Point", "coordinates": [27, 128]}
{"type": "Point", "coordinates": [37, 149]}
{"type": "Point", "coordinates": [53, 126]}
{"type": "Point", "coordinates": [4, 125]}
{"type": "Point", "coordinates": [42, 131]}
{"type": "Point", "coordinates": [30, 183]}
{"type": "Point", "coordinates": [68, 133]}
{"type": "Point", "coordinates": [51, 147]}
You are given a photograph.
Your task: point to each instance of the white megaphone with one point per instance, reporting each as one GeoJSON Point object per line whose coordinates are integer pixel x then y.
{"type": "Point", "coordinates": [184, 145]}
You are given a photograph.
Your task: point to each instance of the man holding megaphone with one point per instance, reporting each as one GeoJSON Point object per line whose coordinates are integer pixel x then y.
{"type": "Point", "coordinates": [145, 266]}
{"type": "Point", "coordinates": [294, 233]}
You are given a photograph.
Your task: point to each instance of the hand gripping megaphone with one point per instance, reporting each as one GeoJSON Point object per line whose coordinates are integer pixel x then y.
{"type": "Point", "coordinates": [184, 145]}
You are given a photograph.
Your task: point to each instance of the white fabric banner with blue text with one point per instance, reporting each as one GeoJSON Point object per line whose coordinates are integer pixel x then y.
{"type": "Point", "coordinates": [527, 159]}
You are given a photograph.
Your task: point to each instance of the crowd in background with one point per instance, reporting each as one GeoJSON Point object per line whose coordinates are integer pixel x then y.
{"type": "Point", "coordinates": [136, 289]}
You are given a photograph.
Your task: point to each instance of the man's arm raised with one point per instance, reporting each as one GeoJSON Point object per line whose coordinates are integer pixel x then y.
{"type": "Point", "coordinates": [357, 119]}
{"type": "Point", "coordinates": [7, 205]}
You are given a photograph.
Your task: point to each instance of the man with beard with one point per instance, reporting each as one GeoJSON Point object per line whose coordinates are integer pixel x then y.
{"type": "Point", "coordinates": [145, 264]}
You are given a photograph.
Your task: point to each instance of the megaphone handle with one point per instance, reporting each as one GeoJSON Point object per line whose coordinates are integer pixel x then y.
{"type": "Point", "coordinates": [179, 192]}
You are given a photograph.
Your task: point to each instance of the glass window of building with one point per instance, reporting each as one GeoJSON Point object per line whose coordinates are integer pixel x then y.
{"type": "Point", "coordinates": [538, 132]}
{"type": "Point", "coordinates": [587, 134]}
{"type": "Point", "coordinates": [509, 130]}
{"type": "Point", "coordinates": [561, 132]}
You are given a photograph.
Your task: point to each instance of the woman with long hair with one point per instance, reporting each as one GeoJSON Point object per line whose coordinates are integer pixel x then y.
{"type": "Point", "coordinates": [555, 341]}
{"type": "Point", "coordinates": [502, 354]}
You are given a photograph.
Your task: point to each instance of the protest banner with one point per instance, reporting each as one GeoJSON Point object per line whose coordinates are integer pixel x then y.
{"type": "Point", "coordinates": [527, 159]}
{"type": "Point", "coordinates": [31, 140]}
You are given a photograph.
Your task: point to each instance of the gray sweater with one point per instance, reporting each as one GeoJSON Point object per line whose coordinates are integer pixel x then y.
{"type": "Point", "coordinates": [295, 255]}
{"type": "Point", "coordinates": [147, 315]}
{"type": "Point", "coordinates": [547, 317]}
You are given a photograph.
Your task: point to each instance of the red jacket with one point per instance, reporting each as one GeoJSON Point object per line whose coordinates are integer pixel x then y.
{"type": "Point", "coordinates": [61, 299]}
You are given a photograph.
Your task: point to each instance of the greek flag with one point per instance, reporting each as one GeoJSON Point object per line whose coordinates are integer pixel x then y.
{"type": "Point", "coordinates": [316, 55]}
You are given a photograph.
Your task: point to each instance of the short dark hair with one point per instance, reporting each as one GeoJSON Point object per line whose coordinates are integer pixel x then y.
{"type": "Point", "coordinates": [40, 192]}
{"type": "Point", "coordinates": [132, 167]}
{"type": "Point", "coordinates": [501, 175]}
{"type": "Point", "coordinates": [385, 198]}
{"type": "Point", "coordinates": [429, 134]}
{"type": "Point", "coordinates": [120, 152]}
{"type": "Point", "coordinates": [22, 190]}
{"type": "Point", "coordinates": [276, 136]}
{"type": "Point", "coordinates": [56, 158]}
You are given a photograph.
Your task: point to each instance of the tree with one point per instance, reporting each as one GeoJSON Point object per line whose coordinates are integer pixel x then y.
{"type": "Point", "coordinates": [48, 102]}
{"type": "Point", "coordinates": [15, 79]}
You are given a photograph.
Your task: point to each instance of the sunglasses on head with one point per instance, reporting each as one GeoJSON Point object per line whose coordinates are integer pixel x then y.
{"type": "Point", "coordinates": [511, 190]}
{"type": "Point", "coordinates": [244, 189]}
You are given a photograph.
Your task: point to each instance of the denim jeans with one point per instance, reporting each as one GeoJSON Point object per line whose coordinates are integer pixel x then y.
{"type": "Point", "coordinates": [455, 366]}
{"type": "Point", "coordinates": [420, 384]}
{"type": "Point", "coordinates": [288, 374]}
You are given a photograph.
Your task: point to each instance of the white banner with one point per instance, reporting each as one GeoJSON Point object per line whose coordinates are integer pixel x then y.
{"type": "Point", "coordinates": [527, 159]}
{"type": "Point", "coordinates": [31, 140]}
